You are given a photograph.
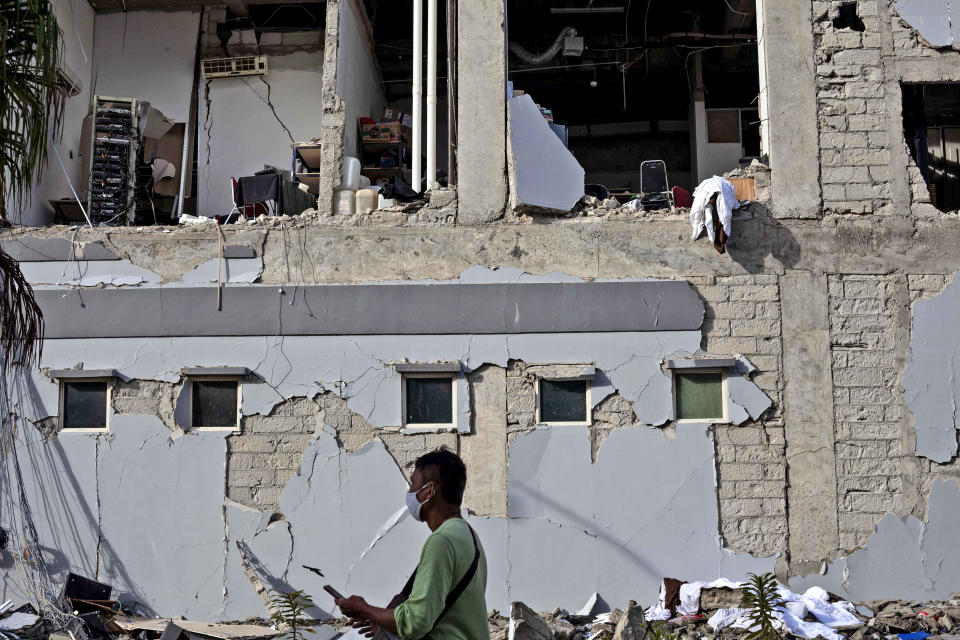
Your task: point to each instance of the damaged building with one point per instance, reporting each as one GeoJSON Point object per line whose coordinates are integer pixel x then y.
{"type": "Point", "coordinates": [344, 237]}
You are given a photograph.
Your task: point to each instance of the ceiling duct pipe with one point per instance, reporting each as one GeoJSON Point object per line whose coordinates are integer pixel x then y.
{"type": "Point", "coordinates": [417, 93]}
{"type": "Point", "coordinates": [546, 56]}
{"type": "Point", "coordinates": [431, 93]}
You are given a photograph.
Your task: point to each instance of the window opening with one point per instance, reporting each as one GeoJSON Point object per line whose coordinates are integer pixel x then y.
{"type": "Point", "coordinates": [214, 404]}
{"type": "Point", "coordinates": [931, 127]}
{"type": "Point", "coordinates": [699, 395]}
{"type": "Point", "coordinates": [563, 401]}
{"type": "Point", "coordinates": [428, 400]}
{"type": "Point", "coordinates": [84, 404]}
{"type": "Point", "coordinates": [676, 81]}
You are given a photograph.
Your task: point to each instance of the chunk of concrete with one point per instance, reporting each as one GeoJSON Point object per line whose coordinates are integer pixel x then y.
{"type": "Point", "coordinates": [231, 270]}
{"type": "Point", "coordinates": [632, 624]}
{"type": "Point", "coordinates": [81, 273]}
{"type": "Point", "coordinates": [544, 175]}
{"type": "Point", "coordinates": [30, 249]}
{"type": "Point", "coordinates": [742, 392]}
{"type": "Point", "coordinates": [526, 624]}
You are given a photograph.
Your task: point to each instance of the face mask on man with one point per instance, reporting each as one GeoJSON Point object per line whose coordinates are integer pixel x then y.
{"type": "Point", "coordinates": [413, 503]}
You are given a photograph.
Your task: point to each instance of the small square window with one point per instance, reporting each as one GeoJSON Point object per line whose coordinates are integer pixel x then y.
{"type": "Point", "coordinates": [699, 396]}
{"type": "Point", "coordinates": [429, 400]}
{"type": "Point", "coordinates": [563, 401]}
{"type": "Point", "coordinates": [214, 404]}
{"type": "Point", "coordinates": [83, 404]}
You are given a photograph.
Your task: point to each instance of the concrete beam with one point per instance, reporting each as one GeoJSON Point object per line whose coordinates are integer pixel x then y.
{"type": "Point", "coordinates": [375, 310]}
{"type": "Point", "coordinates": [808, 420]}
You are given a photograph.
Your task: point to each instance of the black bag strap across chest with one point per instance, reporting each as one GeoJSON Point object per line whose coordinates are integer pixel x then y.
{"type": "Point", "coordinates": [458, 588]}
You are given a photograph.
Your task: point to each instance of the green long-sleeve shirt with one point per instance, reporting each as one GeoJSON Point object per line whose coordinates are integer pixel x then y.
{"type": "Point", "coordinates": [446, 556]}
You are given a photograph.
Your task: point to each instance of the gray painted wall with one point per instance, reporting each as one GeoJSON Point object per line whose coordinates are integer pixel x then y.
{"type": "Point", "coordinates": [148, 55]}
{"type": "Point", "coordinates": [358, 78]}
{"type": "Point", "coordinates": [238, 133]}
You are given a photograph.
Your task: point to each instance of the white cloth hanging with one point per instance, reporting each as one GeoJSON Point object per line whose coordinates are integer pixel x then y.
{"type": "Point", "coordinates": [700, 213]}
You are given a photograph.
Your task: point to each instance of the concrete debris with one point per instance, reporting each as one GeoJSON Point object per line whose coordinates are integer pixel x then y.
{"type": "Point", "coordinates": [632, 624]}
{"type": "Point", "coordinates": [525, 624]}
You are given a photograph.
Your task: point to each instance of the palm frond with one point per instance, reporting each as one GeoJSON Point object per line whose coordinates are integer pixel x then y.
{"type": "Point", "coordinates": [31, 102]}
{"type": "Point", "coordinates": [21, 320]}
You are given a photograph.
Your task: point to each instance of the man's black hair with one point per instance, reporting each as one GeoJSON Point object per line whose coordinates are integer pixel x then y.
{"type": "Point", "coordinates": [446, 467]}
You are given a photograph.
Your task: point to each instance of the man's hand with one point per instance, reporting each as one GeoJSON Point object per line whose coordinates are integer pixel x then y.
{"type": "Point", "coordinates": [366, 628]}
{"type": "Point", "coordinates": [354, 607]}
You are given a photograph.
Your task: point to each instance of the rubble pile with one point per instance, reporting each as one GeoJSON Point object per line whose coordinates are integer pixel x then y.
{"type": "Point", "coordinates": [714, 615]}
{"type": "Point", "coordinates": [100, 617]}
{"type": "Point", "coordinates": [686, 611]}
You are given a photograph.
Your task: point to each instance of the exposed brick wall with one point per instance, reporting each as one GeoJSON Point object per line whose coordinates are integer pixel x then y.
{"type": "Point", "coordinates": [743, 316]}
{"type": "Point", "coordinates": [868, 404]}
{"type": "Point", "coordinates": [266, 454]}
{"type": "Point", "coordinates": [852, 111]}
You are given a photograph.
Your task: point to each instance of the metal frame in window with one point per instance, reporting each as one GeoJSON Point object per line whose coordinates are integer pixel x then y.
{"type": "Point", "coordinates": [214, 378]}
{"type": "Point", "coordinates": [424, 426]}
{"type": "Point", "coordinates": [61, 408]}
{"type": "Point", "coordinates": [588, 399]}
{"type": "Point", "coordinates": [676, 372]}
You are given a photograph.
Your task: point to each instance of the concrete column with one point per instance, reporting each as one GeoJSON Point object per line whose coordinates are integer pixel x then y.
{"type": "Point", "coordinates": [789, 79]}
{"type": "Point", "coordinates": [481, 116]}
{"type": "Point", "coordinates": [485, 450]}
{"type": "Point", "coordinates": [808, 420]}
{"type": "Point", "coordinates": [333, 112]}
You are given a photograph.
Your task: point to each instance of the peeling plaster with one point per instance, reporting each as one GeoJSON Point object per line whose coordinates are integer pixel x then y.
{"type": "Point", "coordinates": [931, 380]}
{"type": "Point", "coordinates": [166, 530]}
{"type": "Point", "coordinates": [647, 509]}
{"type": "Point", "coordinates": [904, 558]}
{"type": "Point", "coordinates": [746, 399]}
{"type": "Point", "coordinates": [86, 273]}
{"type": "Point", "coordinates": [233, 270]}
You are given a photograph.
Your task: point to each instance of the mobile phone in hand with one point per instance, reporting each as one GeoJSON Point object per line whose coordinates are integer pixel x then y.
{"type": "Point", "coordinates": [333, 592]}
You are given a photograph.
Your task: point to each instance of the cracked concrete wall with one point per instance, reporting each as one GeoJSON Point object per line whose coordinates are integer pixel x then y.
{"type": "Point", "coordinates": [319, 433]}
{"type": "Point", "coordinates": [872, 270]}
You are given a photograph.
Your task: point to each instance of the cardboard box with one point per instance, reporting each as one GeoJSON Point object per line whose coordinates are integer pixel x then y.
{"type": "Point", "coordinates": [393, 114]}
{"type": "Point", "coordinates": [744, 188]}
{"type": "Point", "coordinates": [383, 132]}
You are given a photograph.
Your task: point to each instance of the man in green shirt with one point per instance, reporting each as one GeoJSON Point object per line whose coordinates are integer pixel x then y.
{"type": "Point", "coordinates": [446, 598]}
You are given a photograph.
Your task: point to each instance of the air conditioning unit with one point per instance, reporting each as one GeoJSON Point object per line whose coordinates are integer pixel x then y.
{"type": "Point", "coordinates": [68, 82]}
{"type": "Point", "coordinates": [238, 66]}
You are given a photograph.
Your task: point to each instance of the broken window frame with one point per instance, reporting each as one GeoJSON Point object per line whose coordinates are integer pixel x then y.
{"type": "Point", "coordinates": [677, 373]}
{"type": "Point", "coordinates": [413, 427]}
{"type": "Point", "coordinates": [192, 380]}
{"type": "Point", "coordinates": [588, 399]}
{"type": "Point", "coordinates": [62, 408]}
